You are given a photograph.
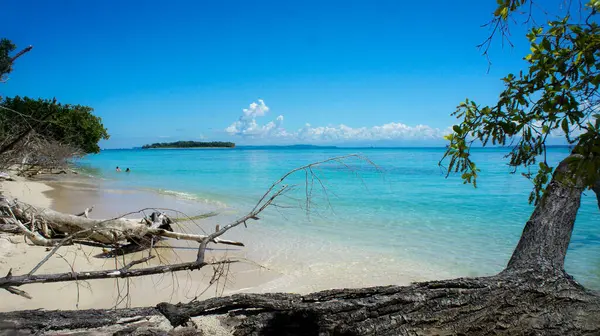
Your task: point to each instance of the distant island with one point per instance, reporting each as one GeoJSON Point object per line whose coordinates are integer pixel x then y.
{"type": "Point", "coordinates": [190, 144]}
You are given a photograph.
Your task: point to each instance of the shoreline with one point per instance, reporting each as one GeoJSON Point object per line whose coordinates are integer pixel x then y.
{"type": "Point", "coordinates": [276, 262]}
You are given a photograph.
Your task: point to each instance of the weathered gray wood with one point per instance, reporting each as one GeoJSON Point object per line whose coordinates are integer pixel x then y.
{"type": "Point", "coordinates": [33, 321]}
{"type": "Point", "coordinates": [106, 231]}
{"type": "Point", "coordinates": [124, 272]}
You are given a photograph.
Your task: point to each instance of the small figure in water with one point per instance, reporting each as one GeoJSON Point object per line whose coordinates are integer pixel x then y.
{"type": "Point", "coordinates": [118, 169]}
{"type": "Point", "coordinates": [127, 170]}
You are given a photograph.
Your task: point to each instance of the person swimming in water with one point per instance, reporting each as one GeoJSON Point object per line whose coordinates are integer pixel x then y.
{"type": "Point", "coordinates": [127, 170]}
{"type": "Point", "coordinates": [118, 169]}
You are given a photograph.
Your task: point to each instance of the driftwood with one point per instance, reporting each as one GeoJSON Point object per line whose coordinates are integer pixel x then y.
{"type": "Point", "coordinates": [532, 296]}
{"type": "Point", "coordinates": [107, 231]}
{"type": "Point", "coordinates": [80, 228]}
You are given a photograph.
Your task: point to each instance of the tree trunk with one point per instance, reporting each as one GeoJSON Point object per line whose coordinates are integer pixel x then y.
{"type": "Point", "coordinates": [483, 306]}
{"type": "Point", "coordinates": [596, 189]}
{"type": "Point", "coordinates": [546, 236]}
{"type": "Point", "coordinates": [22, 322]}
{"type": "Point", "coordinates": [532, 296]}
{"type": "Point", "coordinates": [498, 305]}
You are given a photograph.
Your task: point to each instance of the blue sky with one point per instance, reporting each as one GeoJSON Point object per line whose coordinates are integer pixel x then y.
{"type": "Point", "coordinates": [357, 72]}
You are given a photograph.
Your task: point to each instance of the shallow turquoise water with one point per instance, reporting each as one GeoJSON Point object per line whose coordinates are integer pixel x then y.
{"type": "Point", "coordinates": [405, 207]}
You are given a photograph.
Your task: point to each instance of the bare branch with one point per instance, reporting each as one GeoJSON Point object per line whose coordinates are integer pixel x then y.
{"type": "Point", "coordinates": [105, 274]}
{"type": "Point", "coordinates": [21, 53]}
{"type": "Point", "coordinates": [85, 212]}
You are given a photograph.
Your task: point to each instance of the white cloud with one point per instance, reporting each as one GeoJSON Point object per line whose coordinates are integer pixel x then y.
{"type": "Point", "coordinates": [390, 131]}
{"type": "Point", "coordinates": [247, 126]}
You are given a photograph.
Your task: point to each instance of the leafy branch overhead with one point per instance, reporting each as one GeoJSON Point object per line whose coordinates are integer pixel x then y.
{"type": "Point", "coordinates": [556, 96]}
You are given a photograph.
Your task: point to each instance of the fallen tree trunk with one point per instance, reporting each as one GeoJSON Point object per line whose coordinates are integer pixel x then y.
{"type": "Point", "coordinates": [22, 322]}
{"type": "Point", "coordinates": [533, 304]}
{"type": "Point", "coordinates": [504, 305]}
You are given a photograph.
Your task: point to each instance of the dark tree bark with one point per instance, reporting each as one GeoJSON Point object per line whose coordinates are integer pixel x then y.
{"type": "Point", "coordinates": [532, 296]}
{"type": "Point", "coordinates": [546, 236]}
{"type": "Point", "coordinates": [495, 305]}
{"type": "Point", "coordinates": [596, 189]}
{"type": "Point", "coordinates": [39, 320]}
{"type": "Point", "coordinates": [498, 305]}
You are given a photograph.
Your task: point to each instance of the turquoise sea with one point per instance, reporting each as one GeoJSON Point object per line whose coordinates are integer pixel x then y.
{"type": "Point", "coordinates": [402, 209]}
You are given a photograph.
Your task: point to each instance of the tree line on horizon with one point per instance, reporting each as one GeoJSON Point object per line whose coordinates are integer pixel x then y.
{"type": "Point", "coordinates": [191, 144]}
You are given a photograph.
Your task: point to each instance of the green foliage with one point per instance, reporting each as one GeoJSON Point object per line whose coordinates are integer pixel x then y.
{"type": "Point", "coordinates": [6, 47]}
{"type": "Point", "coordinates": [190, 144]}
{"type": "Point", "coordinates": [557, 96]}
{"type": "Point", "coordinates": [73, 125]}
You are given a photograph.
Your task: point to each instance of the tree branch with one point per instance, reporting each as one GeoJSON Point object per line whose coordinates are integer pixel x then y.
{"type": "Point", "coordinates": [122, 273]}
{"type": "Point", "coordinates": [21, 53]}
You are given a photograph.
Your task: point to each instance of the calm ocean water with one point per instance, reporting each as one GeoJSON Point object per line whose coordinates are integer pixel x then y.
{"type": "Point", "coordinates": [405, 208]}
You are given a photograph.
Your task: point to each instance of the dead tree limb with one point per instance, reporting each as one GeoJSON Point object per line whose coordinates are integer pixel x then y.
{"type": "Point", "coordinates": [124, 272]}
{"type": "Point", "coordinates": [107, 231]}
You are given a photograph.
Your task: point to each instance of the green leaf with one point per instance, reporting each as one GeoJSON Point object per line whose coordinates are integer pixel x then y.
{"type": "Point", "coordinates": [546, 44]}
{"type": "Point", "coordinates": [565, 126]}
{"type": "Point", "coordinates": [545, 129]}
